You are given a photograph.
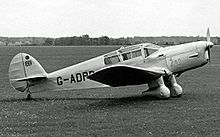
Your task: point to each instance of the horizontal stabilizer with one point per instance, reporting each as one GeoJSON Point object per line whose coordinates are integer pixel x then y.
{"type": "Point", "coordinates": [124, 75]}
{"type": "Point", "coordinates": [31, 78]}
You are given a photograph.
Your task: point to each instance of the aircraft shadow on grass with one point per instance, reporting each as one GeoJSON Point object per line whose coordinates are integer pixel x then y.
{"type": "Point", "coordinates": [90, 104]}
{"type": "Point", "coordinates": [117, 100]}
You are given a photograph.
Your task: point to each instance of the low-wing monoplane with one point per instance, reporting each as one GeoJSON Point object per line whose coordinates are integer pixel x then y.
{"type": "Point", "coordinates": [144, 63]}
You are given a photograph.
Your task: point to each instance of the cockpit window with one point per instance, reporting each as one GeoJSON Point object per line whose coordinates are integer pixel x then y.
{"type": "Point", "coordinates": [149, 51]}
{"type": "Point", "coordinates": [126, 56]}
{"type": "Point", "coordinates": [136, 53]}
{"type": "Point", "coordinates": [111, 60]}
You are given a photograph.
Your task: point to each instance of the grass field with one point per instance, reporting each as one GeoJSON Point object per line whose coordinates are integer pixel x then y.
{"type": "Point", "coordinates": [109, 111]}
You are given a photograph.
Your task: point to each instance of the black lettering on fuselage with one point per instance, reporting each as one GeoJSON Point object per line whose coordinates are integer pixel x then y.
{"type": "Point", "coordinates": [72, 79]}
{"type": "Point", "coordinates": [78, 77]}
{"type": "Point", "coordinates": [59, 81]}
{"type": "Point", "coordinates": [84, 74]}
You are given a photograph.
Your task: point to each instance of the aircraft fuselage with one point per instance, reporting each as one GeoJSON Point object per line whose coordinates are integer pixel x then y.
{"type": "Point", "coordinates": [176, 59]}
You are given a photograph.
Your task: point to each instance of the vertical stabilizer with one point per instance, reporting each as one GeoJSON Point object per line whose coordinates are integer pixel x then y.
{"type": "Point", "coordinates": [24, 69]}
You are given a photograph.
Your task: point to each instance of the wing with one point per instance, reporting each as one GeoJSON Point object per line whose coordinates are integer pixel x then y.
{"type": "Point", "coordinates": [123, 75]}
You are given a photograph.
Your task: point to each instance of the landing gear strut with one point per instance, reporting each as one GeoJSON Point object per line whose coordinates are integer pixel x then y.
{"type": "Point", "coordinates": [28, 91]}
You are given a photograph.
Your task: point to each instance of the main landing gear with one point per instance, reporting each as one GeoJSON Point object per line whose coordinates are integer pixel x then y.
{"type": "Point", "coordinates": [164, 88]}
{"type": "Point", "coordinates": [157, 89]}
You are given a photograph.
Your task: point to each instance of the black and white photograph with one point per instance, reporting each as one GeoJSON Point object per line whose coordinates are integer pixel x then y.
{"type": "Point", "coordinates": [110, 68]}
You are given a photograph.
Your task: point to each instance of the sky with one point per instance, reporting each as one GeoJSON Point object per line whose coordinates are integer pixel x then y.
{"type": "Point", "coordinates": [113, 18]}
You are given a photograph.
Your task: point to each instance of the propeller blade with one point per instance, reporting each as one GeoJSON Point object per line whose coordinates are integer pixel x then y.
{"type": "Point", "coordinates": [209, 45]}
{"type": "Point", "coordinates": [209, 54]}
{"type": "Point", "coordinates": [208, 35]}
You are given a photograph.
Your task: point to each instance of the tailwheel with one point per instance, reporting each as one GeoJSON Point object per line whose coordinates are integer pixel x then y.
{"type": "Point", "coordinates": [29, 97]}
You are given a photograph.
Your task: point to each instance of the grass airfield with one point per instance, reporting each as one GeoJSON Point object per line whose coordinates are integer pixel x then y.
{"type": "Point", "coordinates": [109, 111]}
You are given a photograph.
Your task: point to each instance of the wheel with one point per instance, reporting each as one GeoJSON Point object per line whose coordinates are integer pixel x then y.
{"type": "Point", "coordinates": [29, 97]}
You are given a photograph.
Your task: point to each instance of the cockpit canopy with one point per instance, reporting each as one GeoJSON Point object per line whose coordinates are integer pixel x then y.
{"type": "Point", "coordinates": [126, 53]}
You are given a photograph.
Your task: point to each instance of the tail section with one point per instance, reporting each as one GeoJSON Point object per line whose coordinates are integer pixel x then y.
{"type": "Point", "coordinates": [25, 71]}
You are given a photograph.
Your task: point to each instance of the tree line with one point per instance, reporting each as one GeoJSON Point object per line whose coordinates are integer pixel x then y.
{"type": "Point", "coordinates": [86, 40]}
{"type": "Point", "coordinates": [105, 40]}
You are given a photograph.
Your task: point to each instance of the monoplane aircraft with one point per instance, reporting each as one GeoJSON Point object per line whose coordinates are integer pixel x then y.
{"type": "Point", "coordinates": [144, 63]}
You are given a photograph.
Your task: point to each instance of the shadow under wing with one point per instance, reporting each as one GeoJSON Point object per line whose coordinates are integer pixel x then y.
{"type": "Point", "coordinates": [124, 75]}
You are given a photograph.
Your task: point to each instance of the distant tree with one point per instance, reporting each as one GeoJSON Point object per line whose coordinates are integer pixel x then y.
{"type": "Point", "coordinates": [48, 42]}
{"type": "Point", "coordinates": [94, 41]}
{"type": "Point", "coordinates": [104, 40]}
{"type": "Point", "coordinates": [85, 40]}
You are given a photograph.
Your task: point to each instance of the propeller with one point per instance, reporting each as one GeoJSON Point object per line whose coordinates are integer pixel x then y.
{"type": "Point", "coordinates": [209, 45]}
{"type": "Point", "coordinates": [209, 54]}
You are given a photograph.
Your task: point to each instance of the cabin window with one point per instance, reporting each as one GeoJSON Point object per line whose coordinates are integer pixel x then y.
{"type": "Point", "coordinates": [146, 53]}
{"type": "Point", "coordinates": [136, 53]}
{"type": "Point", "coordinates": [126, 56]}
{"type": "Point", "coordinates": [111, 60]}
